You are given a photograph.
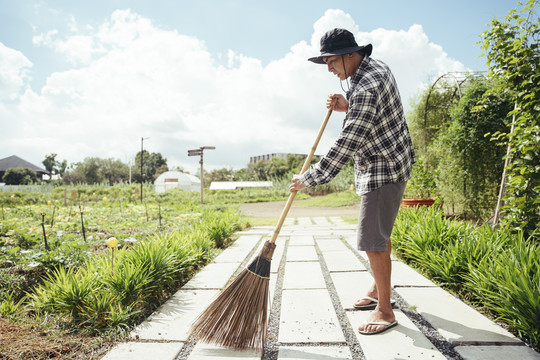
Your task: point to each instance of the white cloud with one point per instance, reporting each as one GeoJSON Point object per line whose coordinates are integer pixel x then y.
{"type": "Point", "coordinates": [131, 79]}
{"type": "Point", "coordinates": [412, 58]}
{"type": "Point", "coordinates": [14, 74]}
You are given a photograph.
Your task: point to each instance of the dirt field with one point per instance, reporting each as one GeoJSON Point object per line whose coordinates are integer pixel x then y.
{"type": "Point", "coordinates": [274, 209]}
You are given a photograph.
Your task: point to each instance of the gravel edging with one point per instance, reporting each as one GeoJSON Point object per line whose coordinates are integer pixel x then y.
{"type": "Point", "coordinates": [440, 343]}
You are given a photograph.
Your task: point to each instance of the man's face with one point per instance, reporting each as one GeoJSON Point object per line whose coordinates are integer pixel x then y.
{"type": "Point", "coordinates": [335, 66]}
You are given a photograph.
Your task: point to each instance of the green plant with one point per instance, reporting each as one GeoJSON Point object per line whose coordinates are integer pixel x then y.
{"type": "Point", "coordinates": [422, 182]}
{"type": "Point", "coordinates": [508, 284]}
{"type": "Point", "coordinates": [101, 312]}
{"type": "Point", "coordinates": [512, 49]}
{"type": "Point", "coordinates": [471, 165]}
{"type": "Point", "coordinates": [19, 176]}
{"type": "Point", "coordinates": [494, 268]}
{"type": "Point", "coordinates": [66, 292]}
{"type": "Point", "coordinates": [9, 306]}
{"type": "Point", "coordinates": [130, 283]}
{"type": "Point", "coordinates": [157, 262]}
{"type": "Point", "coordinates": [221, 228]}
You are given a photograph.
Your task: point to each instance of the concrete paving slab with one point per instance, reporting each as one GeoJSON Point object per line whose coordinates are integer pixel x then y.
{"type": "Point", "coordinates": [404, 341]}
{"type": "Point", "coordinates": [342, 261]}
{"type": "Point", "coordinates": [144, 351]}
{"type": "Point", "coordinates": [301, 240]}
{"type": "Point", "coordinates": [278, 254]}
{"type": "Point", "coordinates": [302, 221]}
{"type": "Point", "coordinates": [327, 244]}
{"type": "Point", "coordinates": [314, 352]}
{"type": "Point", "coordinates": [497, 352]}
{"type": "Point", "coordinates": [302, 253]}
{"type": "Point", "coordinates": [352, 240]}
{"type": "Point", "coordinates": [405, 276]}
{"type": "Point", "coordinates": [289, 221]}
{"type": "Point", "coordinates": [203, 351]}
{"type": "Point", "coordinates": [351, 286]}
{"type": "Point", "coordinates": [308, 316]}
{"type": "Point", "coordinates": [172, 321]}
{"type": "Point", "coordinates": [456, 321]}
{"type": "Point", "coordinates": [247, 240]}
{"type": "Point", "coordinates": [257, 230]}
{"type": "Point", "coordinates": [337, 220]}
{"type": "Point", "coordinates": [212, 276]}
{"type": "Point", "coordinates": [321, 221]}
{"type": "Point", "coordinates": [303, 275]}
{"type": "Point", "coordinates": [233, 254]}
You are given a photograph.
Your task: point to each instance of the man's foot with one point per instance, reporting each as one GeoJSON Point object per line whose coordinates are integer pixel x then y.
{"type": "Point", "coordinates": [368, 303]}
{"type": "Point", "coordinates": [385, 326]}
{"type": "Point", "coordinates": [377, 322]}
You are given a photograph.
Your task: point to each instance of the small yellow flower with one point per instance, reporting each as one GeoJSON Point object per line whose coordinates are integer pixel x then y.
{"type": "Point", "coordinates": [104, 199]}
{"type": "Point", "coordinates": [112, 242]}
{"type": "Point", "coordinates": [56, 201]}
{"type": "Point", "coordinates": [49, 203]}
{"type": "Point", "coordinates": [12, 196]}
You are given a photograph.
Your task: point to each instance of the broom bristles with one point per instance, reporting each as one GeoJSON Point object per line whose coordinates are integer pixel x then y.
{"type": "Point", "coordinates": [237, 318]}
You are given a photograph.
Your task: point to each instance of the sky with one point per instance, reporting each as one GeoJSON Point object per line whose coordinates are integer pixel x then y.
{"type": "Point", "coordinates": [91, 78]}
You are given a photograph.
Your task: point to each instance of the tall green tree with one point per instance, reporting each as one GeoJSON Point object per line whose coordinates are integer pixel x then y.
{"type": "Point", "coordinates": [512, 50]}
{"type": "Point", "coordinates": [50, 163]}
{"type": "Point", "coordinates": [54, 166]}
{"type": "Point", "coordinates": [95, 170]}
{"type": "Point", "coordinates": [19, 176]}
{"type": "Point", "coordinates": [151, 163]}
{"type": "Point", "coordinates": [113, 171]}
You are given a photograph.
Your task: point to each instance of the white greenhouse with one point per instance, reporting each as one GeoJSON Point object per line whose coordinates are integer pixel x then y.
{"type": "Point", "coordinates": [177, 180]}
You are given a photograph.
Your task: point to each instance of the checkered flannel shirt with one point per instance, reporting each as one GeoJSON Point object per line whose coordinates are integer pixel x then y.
{"type": "Point", "coordinates": [374, 133]}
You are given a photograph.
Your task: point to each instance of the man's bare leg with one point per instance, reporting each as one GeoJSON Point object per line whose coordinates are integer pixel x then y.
{"type": "Point", "coordinates": [372, 291]}
{"type": "Point", "coordinates": [381, 267]}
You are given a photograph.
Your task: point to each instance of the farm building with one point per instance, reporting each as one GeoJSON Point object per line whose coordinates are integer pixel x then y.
{"type": "Point", "coordinates": [233, 185]}
{"type": "Point", "coordinates": [12, 162]}
{"type": "Point", "coordinates": [177, 180]}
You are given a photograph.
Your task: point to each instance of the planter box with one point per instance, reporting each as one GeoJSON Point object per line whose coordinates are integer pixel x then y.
{"type": "Point", "coordinates": [417, 202]}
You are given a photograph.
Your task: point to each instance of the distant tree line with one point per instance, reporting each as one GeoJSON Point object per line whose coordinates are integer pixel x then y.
{"type": "Point", "coordinates": [93, 170]}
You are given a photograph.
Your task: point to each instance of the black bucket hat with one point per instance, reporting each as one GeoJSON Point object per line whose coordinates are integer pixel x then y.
{"type": "Point", "coordinates": [339, 42]}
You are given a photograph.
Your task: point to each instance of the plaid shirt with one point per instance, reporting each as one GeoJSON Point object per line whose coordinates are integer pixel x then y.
{"type": "Point", "coordinates": [374, 133]}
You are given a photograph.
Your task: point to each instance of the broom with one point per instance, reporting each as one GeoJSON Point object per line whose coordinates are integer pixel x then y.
{"type": "Point", "coordinates": [237, 318]}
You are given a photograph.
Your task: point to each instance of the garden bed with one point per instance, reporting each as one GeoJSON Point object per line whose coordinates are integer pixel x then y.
{"type": "Point", "coordinates": [63, 290]}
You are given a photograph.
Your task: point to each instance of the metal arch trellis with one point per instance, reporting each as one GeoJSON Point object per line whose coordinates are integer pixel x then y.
{"type": "Point", "coordinates": [459, 78]}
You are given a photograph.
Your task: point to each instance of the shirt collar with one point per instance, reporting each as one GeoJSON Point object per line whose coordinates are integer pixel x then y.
{"type": "Point", "coordinates": [358, 74]}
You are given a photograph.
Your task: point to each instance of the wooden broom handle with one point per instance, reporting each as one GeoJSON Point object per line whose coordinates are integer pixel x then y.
{"type": "Point", "coordinates": [304, 169]}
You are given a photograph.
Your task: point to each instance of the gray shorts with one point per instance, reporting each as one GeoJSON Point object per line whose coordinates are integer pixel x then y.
{"type": "Point", "coordinates": [378, 211]}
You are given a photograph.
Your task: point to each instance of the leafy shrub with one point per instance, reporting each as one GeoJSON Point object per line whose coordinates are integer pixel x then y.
{"type": "Point", "coordinates": [508, 284]}
{"type": "Point", "coordinates": [494, 268]}
{"type": "Point", "coordinates": [19, 176]}
{"type": "Point", "coordinates": [9, 306]}
{"type": "Point", "coordinates": [101, 297]}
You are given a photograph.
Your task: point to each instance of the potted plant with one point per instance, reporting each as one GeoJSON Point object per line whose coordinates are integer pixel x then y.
{"type": "Point", "coordinates": [420, 188]}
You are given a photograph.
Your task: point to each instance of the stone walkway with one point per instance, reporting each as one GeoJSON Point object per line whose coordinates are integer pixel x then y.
{"type": "Point", "coordinates": [316, 276]}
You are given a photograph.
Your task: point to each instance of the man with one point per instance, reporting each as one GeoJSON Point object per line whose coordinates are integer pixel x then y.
{"type": "Point", "coordinates": [376, 136]}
